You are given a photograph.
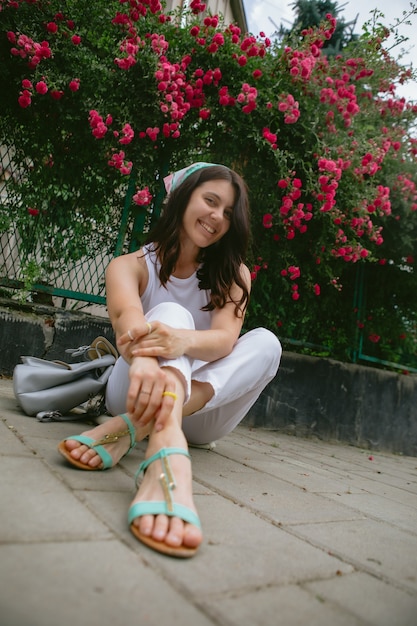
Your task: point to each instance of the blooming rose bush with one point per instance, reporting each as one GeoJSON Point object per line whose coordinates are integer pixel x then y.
{"type": "Point", "coordinates": [112, 93]}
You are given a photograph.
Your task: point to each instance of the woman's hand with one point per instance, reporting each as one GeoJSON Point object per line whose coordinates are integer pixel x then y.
{"type": "Point", "coordinates": [151, 394]}
{"type": "Point", "coordinates": [132, 337]}
{"type": "Point", "coordinates": [161, 340]}
{"type": "Point", "coordinates": [152, 389]}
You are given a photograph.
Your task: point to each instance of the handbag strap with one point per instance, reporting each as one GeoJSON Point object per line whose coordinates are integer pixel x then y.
{"type": "Point", "coordinates": [96, 350]}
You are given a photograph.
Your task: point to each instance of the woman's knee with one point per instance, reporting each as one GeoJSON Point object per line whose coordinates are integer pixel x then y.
{"type": "Point", "coordinates": [173, 314]}
{"type": "Point", "coordinates": [268, 346]}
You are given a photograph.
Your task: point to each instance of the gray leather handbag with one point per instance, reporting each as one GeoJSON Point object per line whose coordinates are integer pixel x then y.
{"type": "Point", "coordinates": [55, 387]}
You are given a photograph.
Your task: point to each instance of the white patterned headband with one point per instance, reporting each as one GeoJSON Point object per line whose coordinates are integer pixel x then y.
{"type": "Point", "coordinates": [174, 180]}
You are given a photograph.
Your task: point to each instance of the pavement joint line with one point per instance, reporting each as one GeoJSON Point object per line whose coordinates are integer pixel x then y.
{"type": "Point", "coordinates": [336, 605]}
{"type": "Point", "coordinates": [357, 565]}
{"type": "Point", "coordinates": [367, 516]}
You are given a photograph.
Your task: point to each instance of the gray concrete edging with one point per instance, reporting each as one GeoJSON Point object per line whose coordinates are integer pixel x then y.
{"type": "Point", "coordinates": [355, 404]}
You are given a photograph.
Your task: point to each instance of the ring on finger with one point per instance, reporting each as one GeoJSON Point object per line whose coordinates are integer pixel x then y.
{"type": "Point", "coordinates": [171, 394]}
{"type": "Point", "coordinates": [148, 393]}
{"type": "Point", "coordinates": [149, 325]}
{"type": "Point", "coordinates": [129, 334]}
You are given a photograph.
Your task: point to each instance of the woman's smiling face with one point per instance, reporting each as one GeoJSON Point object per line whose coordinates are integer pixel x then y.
{"type": "Point", "coordinates": [209, 212]}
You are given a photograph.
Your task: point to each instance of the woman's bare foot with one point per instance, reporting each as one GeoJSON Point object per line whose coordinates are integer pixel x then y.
{"type": "Point", "coordinates": [86, 455]}
{"type": "Point", "coordinates": [171, 531]}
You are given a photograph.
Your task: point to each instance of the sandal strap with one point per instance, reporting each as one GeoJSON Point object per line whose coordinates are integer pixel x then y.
{"type": "Point", "coordinates": [167, 477]}
{"type": "Point", "coordinates": [160, 508]}
{"type": "Point", "coordinates": [91, 443]}
{"type": "Point", "coordinates": [161, 454]}
{"type": "Point", "coordinates": [132, 431]}
{"type": "Point", "coordinates": [167, 480]}
{"type": "Point", "coordinates": [98, 444]}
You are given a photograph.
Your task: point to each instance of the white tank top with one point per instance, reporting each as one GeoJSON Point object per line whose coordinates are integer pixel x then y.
{"type": "Point", "coordinates": [184, 291]}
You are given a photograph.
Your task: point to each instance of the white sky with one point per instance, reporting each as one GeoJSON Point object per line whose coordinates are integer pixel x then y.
{"type": "Point", "coordinates": [259, 14]}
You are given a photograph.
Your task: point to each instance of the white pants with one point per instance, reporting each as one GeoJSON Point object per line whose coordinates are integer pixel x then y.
{"type": "Point", "coordinates": [237, 379]}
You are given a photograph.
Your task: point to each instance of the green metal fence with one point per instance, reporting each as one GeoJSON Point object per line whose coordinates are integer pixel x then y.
{"type": "Point", "coordinates": [358, 353]}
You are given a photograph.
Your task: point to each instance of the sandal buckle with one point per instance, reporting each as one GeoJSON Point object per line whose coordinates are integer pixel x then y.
{"type": "Point", "coordinates": [168, 483]}
{"type": "Point", "coordinates": [167, 492]}
{"type": "Point", "coordinates": [110, 438]}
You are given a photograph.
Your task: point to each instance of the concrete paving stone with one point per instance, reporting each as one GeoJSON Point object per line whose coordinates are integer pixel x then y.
{"type": "Point", "coordinates": [331, 453]}
{"type": "Point", "coordinates": [325, 462]}
{"type": "Point", "coordinates": [372, 546]}
{"type": "Point", "coordinates": [376, 602]}
{"type": "Point", "coordinates": [55, 431]}
{"type": "Point", "coordinates": [310, 478]}
{"type": "Point", "coordinates": [89, 584]}
{"type": "Point", "coordinates": [10, 442]}
{"type": "Point", "coordinates": [336, 453]}
{"type": "Point", "coordinates": [393, 471]}
{"type": "Point", "coordinates": [275, 498]}
{"type": "Point", "coordinates": [395, 462]}
{"type": "Point", "coordinates": [395, 495]}
{"type": "Point", "coordinates": [111, 507]}
{"type": "Point", "coordinates": [378, 507]}
{"type": "Point", "coordinates": [389, 478]}
{"type": "Point", "coordinates": [310, 447]}
{"type": "Point", "coordinates": [378, 465]}
{"type": "Point", "coordinates": [305, 475]}
{"type": "Point", "coordinates": [37, 507]}
{"type": "Point", "coordinates": [242, 551]}
{"type": "Point", "coordinates": [31, 427]}
{"type": "Point", "coordinates": [402, 469]}
{"type": "Point", "coordinates": [324, 459]}
{"type": "Point", "coordinates": [288, 605]}
{"type": "Point", "coordinates": [405, 482]}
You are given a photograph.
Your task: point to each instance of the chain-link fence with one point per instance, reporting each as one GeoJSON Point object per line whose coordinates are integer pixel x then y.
{"type": "Point", "coordinates": [47, 265]}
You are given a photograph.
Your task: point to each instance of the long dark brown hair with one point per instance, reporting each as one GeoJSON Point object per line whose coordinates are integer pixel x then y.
{"type": "Point", "coordinates": [220, 262]}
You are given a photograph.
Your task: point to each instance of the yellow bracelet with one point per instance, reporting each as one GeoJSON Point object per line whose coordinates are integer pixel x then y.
{"type": "Point", "coordinates": [171, 394]}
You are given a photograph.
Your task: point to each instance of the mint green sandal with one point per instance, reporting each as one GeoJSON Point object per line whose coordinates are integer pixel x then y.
{"type": "Point", "coordinates": [166, 507]}
{"type": "Point", "coordinates": [98, 446]}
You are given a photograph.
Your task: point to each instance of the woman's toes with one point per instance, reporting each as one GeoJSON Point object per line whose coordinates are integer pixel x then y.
{"type": "Point", "coordinates": [144, 524]}
{"type": "Point", "coordinates": [192, 536]}
{"type": "Point", "coordinates": [175, 534]}
{"type": "Point", "coordinates": [171, 531]}
{"type": "Point", "coordinates": [77, 452]}
{"type": "Point", "coordinates": [160, 528]}
{"type": "Point", "coordinates": [90, 457]}
{"type": "Point", "coordinates": [82, 453]}
{"type": "Point", "coordinates": [72, 444]}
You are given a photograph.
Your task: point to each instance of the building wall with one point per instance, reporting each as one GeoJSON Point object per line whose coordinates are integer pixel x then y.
{"type": "Point", "coordinates": [232, 10]}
